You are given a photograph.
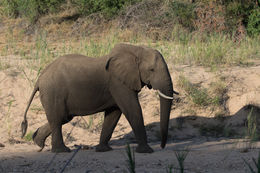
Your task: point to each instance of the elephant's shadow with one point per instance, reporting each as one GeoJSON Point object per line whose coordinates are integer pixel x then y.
{"type": "Point", "coordinates": [194, 126]}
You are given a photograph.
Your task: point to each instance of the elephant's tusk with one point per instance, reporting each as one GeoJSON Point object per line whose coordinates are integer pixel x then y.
{"type": "Point", "coordinates": [164, 96]}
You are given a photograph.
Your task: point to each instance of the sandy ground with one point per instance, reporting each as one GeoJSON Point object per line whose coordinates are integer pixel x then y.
{"type": "Point", "coordinates": [206, 153]}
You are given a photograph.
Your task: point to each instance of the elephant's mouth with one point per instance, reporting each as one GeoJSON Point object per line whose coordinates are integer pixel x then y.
{"type": "Point", "coordinates": [149, 86]}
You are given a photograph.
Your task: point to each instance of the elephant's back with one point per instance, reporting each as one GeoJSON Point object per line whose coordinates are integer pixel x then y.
{"type": "Point", "coordinates": [73, 62]}
{"type": "Point", "coordinates": [72, 68]}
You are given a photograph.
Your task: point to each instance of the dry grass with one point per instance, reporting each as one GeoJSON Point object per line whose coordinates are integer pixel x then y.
{"type": "Point", "coordinates": [56, 39]}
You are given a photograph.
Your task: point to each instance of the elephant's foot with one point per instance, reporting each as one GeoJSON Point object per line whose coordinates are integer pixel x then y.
{"type": "Point", "coordinates": [41, 134]}
{"type": "Point", "coordinates": [38, 139]}
{"type": "Point", "coordinates": [60, 149]}
{"type": "Point", "coordinates": [103, 148]}
{"type": "Point", "coordinates": [144, 149]}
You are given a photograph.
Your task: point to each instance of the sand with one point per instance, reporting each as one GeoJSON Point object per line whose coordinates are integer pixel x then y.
{"type": "Point", "coordinates": [207, 153]}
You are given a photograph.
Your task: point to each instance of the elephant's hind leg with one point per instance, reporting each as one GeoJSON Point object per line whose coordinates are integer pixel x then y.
{"type": "Point", "coordinates": [111, 118]}
{"type": "Point", "coordinates": [57, 142]}
{"type": "Point", "coordinates": [41, 134]}
{"type": "Point", "coordinates": [57, 115]}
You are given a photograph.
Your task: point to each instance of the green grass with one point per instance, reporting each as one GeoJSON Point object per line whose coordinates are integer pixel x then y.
{"type": "Point", "coordinates": [92, 122]}
{"type": "Point", "coordinates": [201, 96]}
{"type": "Point", "coordinates": [252, 126]}
{"type": "Point", "coordinates": [256, 164]}
{"type": "Point", "coordinates": [8, 118]}
{"type": "Point", "coordinates": [215, 50]}
{"type": "Point", "coordinates": [36, 108]}
{"type": "Point", "coordinates": [180, 155]}
{"type": "Point", "coordinates": [130, 159]}
{"type": "Point", "coordinates": [4, 65]}
{"type": "Point", "coordinates": [28, 136]}
{"type": "Point", "coordinates": [218, 90]}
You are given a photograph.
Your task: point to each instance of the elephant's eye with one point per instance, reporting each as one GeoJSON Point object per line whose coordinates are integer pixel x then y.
{"type": "Point", "coordinates": [152, 70]}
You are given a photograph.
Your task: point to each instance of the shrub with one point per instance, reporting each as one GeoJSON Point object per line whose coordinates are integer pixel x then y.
{"type": "Point", "coordinates": [256, 163]}
{"type": "Point", "coordinates": [184, 13]}
{"type": "Point", "coordinates": [210, 17]}
{"type": "Point", "coordinates": [227, 16]}
{"type": "Point", "coordinates": [10, 8]}
{"type": "Point", "coordinates": [28, 136]}
{"type": "Point", "coordinates": [252, 126]}
{"type": "Point", "coordinates": [109, 8]}
{"type": "Point", "coordinates": [239, 12]}
{"type": "Point", "coordinates": [31, 9]}
{"type": "Point", "coordinates": [253, 26]}
{"type": "Point", "coordinates": [199, 96]}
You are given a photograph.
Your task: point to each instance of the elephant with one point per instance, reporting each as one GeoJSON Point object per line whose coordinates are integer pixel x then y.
{"type": "Point", "coordinates": [76, 85]}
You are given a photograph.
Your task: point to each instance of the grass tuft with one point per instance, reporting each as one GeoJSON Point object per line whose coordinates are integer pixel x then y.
{"type": "Point", "coordinates": [202, 96]}
{"type": "Point", "coordinates": [9, 119]}
{"type": "Point", "coordinates": [216, 50]}
{"type": "Point", "coordinates": [252, 126]}
{"type": "Point", "coordinates": [197, 95]}
{"type": "Point", "coordinates": [4, 65]}
{"type": "Point", "coordinates": [130, 159]}
{"type": "Point", "coordinates": [256, 164]}
{"type": "Point", "coordinates": [28, 136]}
{"type": "Point", "coordinates": [181, 156]}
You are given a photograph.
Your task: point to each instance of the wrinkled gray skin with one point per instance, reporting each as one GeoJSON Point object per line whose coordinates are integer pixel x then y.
{"type": "Point", "coordinates": [76, 85]}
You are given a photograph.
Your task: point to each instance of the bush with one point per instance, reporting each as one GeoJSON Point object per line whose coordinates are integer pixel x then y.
{"type": "Point", "coordinates": [210, 17]}
{"type": "Point", "coordinates": [184, 13]}
{"type": "Point", "coordinates": [10, 8]}
{"type": "Point", "coordinates": [109, 8]}
{"type": "Point", "coordinates": [31, 9]}
{"type": "Point", "coordinates": [239, 12]}
{"type": "Point", "coordinates": [253, 26]}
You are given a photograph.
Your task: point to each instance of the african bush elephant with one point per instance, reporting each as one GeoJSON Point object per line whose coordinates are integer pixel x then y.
{"type": "Point", "coordinates": [75, 85]}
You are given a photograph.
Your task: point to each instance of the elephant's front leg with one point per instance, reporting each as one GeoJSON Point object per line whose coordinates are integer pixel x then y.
{"type": "Point", "coordinates": [135, 119]}
{"type": "Point", "coordinates": [111, 118]}
{"type": "Point", "coordinates": [128, 102]}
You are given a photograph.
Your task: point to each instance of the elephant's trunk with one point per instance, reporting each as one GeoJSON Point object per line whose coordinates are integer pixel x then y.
{"type": "Point", "coordinates": [166, 96]}
{"type": "Point", "coordinates": [165, 109]}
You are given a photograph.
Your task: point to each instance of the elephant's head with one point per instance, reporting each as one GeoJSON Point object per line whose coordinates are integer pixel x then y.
{"type": "Point", "coordinates": [138, 66]}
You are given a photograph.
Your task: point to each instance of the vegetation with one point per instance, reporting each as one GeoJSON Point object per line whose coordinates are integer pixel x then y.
{"type": "Point", "coordinates": [253, 27]}
{"type": "Point", "coordinates": [130, 159]}
{"type": "Point", "coordinates": [210, 33]}
{"type": "Point", "coordinates": [216, 131]}
{"type": "Point", "coordinates": [203, 15]}
{"type": "Point", "coordinates": [32, 9]}
{"type": "Point", "coordinates": [8, 118]}
{"type": "Point", "coordinates": [252, 126]}
{"type": "Point", "coordinates": [200, 96]}
{"type": "Point", "coordinates": [28, 136]}
{"type": "Point", "coordinates": [180, 156]}
{"type": "Point", "coordinates": [256, 164]}
{"type": "Point", "coordinates": [179, 30]}
{"type": "Point", "coordinates": [107, 8]}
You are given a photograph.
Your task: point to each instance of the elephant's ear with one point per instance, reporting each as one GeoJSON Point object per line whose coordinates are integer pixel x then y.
{"type": "Point", "coordinates": [124, 66]}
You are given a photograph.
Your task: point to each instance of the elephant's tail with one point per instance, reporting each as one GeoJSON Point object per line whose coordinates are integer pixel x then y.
{"type": "Point", "coordinates": [24, 124]}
